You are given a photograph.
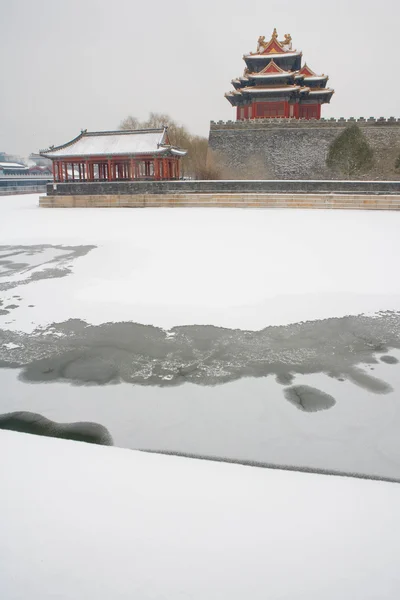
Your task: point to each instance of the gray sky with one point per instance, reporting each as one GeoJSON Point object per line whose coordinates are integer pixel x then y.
{"type": "Point", "coordinates": [73, 64]}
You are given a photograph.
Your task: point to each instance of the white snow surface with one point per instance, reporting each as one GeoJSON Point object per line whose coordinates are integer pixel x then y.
{"type": "Point", "coordinates": [238, 268]}
{"type": "Point", "coordinates": [80, 521]}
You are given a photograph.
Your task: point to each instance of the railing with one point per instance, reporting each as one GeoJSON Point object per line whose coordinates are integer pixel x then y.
{"type": "Point", "coordinates": [19, 189]}
{"type": "Point", "coordinates": [291, 122]}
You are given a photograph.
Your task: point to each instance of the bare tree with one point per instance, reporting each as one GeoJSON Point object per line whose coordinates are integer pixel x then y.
{"type": "Point", "coordinates": [130, 123]}
{"type": "Point", "coordinates": [194, 164]}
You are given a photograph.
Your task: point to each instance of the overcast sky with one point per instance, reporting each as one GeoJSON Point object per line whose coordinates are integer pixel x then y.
{"type": "Point", "coordinates": [73, 64]}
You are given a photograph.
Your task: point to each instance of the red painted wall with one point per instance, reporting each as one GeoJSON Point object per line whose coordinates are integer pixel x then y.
{"type": "Point", "coordinates": [273, 110]}
{"type": "Point", "coordinates": [309, 111]}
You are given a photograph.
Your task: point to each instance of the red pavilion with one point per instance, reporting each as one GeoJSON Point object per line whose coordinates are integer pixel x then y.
{"type": "Point", "coordinates": [115, 156]}
{"type": "Point", "coordinates": [275, 85]}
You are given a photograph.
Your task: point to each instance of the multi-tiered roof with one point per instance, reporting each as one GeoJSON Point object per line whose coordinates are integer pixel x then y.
{"type": "Point", "coordinates": [274, 84]}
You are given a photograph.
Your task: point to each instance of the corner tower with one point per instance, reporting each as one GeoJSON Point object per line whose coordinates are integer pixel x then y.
{"type": "Point", "coordinates": [276, 85]}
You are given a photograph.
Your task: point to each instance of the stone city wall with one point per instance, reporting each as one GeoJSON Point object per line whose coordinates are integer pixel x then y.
{"type": "Point", "coordinates": [291, 148]}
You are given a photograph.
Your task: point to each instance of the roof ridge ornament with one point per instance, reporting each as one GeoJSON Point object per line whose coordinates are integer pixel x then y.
{"type": "Point", "coordinates": [276, 46]}
{"type": "Point", "coordinates": [286, 43]}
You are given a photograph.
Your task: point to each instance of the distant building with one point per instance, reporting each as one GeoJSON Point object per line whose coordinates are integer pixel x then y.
{"type": "Point", "coordinates": [115, 156]}
{"type": "Point", "coordinates": [12, 168]}
{"type": "Point", "coordinates": [39, 160]}
{"type": "Point", "coordinates": [275, 84]}
{"type": "Point", "coordinates": [40, 170]}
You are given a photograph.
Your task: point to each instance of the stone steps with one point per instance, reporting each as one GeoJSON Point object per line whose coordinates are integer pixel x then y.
{"type": "Point", "coordinates": [316, 201]}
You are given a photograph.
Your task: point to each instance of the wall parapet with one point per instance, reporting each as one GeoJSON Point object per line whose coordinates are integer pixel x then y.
{"type": "Point", "coordinates": [122, 188]}
{"type": "Point", "coordinates": [306, 123]}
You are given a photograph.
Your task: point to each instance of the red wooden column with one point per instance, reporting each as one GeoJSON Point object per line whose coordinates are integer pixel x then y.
{"type": "Point", "coordinates": [156, 168]}
{"type": "Point", "coordinates": [66, 171]}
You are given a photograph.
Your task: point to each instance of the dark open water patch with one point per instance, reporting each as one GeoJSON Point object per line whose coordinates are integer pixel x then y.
{"type": "Point", "coordinates": [28, 422]}
{"type": "Point", "coordinates": [390, 360]}
{"type": "Point", "coordinates": [145, 355]}
{"type": "Point", "coordinates": [14, 260]}
{"type": "Point", "coordinates": [309, 399]}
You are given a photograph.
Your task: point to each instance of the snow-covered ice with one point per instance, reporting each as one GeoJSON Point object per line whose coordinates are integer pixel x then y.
{"type": "Point", "coordinates": [245, 269]}
{"type": "Point", "coordinates": [235, 268]}
{"type": "Point", "coordinates": [80, 521]}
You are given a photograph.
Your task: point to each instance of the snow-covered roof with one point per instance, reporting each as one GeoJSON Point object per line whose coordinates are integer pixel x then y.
{"type": "Point", "coordinates": [315, 78]}
{"type": "Point", "coordinates": [270, 75]}
{"type": "Point", "coordinates": [176, 151]}
{"type": "Point", "coordinates": [274, 55]}
{"type": "Point", "coordinates": [288, 88]}
{"type": "Point", "coordinates": [111, 143]}
{"type": "Point", "coordinates": [11, 165]}
{"type": "Point", "coordinates": [324, 91]}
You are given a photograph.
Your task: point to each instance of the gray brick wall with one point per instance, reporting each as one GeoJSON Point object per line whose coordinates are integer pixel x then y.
{"type": "Point", "coordinates": [289, 148]}
{"type": "Point", "coordinates": [223, 187]}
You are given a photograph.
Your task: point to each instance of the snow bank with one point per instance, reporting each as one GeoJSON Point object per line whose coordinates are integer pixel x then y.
{"type": "Point", "coordinates": [79, 522]}
{"type": "Point", "coordinates": [235, 268]}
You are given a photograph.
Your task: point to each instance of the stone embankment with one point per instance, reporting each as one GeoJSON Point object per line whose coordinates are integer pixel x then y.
{"type": "Point", "coordinates": [229, 200]}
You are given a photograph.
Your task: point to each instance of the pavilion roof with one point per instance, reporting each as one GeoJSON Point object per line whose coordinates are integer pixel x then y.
{"type": "Point", "coordinates": [260, 89]}
{"type": "Point", "coordinates": [315, 92]}
{"type": "Point", "coordinates": [266, 90]}
{"type": "Point", "coordinates": [274, 56]}
{"type": "Point", "coordinates": [283, 75]}
{"type": "Point", "coordinates": [114, 143]}
{"type": "Point", "coordinates": [316, 78]}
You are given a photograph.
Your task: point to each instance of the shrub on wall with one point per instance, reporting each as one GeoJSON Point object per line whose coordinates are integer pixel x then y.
{"type": "Point", "coordinates": [350, 153]}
